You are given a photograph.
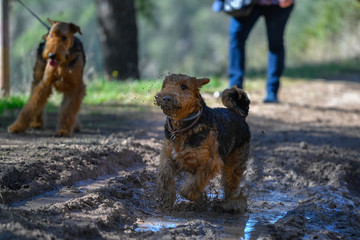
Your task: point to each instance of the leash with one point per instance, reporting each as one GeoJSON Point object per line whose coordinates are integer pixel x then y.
{"type": "Point", "coordinates": [41, 21]}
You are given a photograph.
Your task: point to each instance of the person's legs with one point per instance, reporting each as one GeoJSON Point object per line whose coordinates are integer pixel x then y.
{"type": "Point", "coordinates": [276, 19]}
{"type": "Point", "coordinates": [239, 32]}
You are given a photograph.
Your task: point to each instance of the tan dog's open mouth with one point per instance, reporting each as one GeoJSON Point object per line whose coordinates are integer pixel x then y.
{"type": "Point", "coordinates": [53, 62]}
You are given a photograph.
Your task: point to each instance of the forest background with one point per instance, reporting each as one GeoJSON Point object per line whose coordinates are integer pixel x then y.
{"type": "Point", "coordinates": [187, 37]}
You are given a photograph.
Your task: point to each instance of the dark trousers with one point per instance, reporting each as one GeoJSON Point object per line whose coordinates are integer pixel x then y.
{"type": "Point", "coordinates": [275, 19]}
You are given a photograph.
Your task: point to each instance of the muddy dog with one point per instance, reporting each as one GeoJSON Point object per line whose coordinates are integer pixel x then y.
{"type": "Point", "coordinates": [60, 64]}
{"type": "Point", "coordinates": [200, 140]}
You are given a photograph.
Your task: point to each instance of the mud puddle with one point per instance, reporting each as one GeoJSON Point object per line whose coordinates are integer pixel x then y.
{"type": "Point", "coordinates": [65, 193]}
{"type": "Point", "coordinates": [265, 210]}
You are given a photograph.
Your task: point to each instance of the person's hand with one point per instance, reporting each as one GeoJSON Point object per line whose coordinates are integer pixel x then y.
{"type": "Point", "coordinates": [287, 3]}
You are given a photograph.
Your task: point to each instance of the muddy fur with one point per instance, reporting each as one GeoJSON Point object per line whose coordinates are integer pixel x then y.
{"type": "Point", "coordinates": [200, 140]}
{"type": "Point", "coordinates": [59, 64]}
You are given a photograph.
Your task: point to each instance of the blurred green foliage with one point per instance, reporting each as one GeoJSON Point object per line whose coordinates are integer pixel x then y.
{"type": "Point", "coordinates": [319, 30]}
{"type": "Point", "coordinates": [187, 37]}
{"type": "Point", "coordinates": [12, 103]}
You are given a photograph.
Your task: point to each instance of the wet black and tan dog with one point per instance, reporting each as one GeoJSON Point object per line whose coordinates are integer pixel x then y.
{"type": "Point", "coordinates": [59, 64]}
{"type": "Point", "coordinates": [200, 140]}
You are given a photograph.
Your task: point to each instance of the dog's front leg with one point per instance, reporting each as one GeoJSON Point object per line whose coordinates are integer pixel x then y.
{"type": "Point", "coordinates": [196, 183]}
{"type": "Point", "coordinates": [38, 75]}
{"type": "Point", "coordinates": [166, 180]}
{"type": "Point", "coordinates": [35, 104]}
{"type": "Point", "coordinates": [69, 109]}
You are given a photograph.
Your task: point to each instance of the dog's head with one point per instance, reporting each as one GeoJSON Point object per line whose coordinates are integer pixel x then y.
{"type": "Point", "coordinates": [59, 40]}
{"type": "Point", "coordinates": [180, 95]}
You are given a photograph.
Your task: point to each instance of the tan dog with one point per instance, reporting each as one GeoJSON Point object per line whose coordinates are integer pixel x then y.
{"type": "Point", "coordinates": [60, 64]}
{"type": "Point", "coordinates": [200, 140]}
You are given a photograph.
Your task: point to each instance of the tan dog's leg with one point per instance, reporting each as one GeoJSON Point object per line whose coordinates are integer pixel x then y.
{"type": "Point", "coordinates": [166, 181]}
{"type": "Point", "coordinates": [69, 109]}
{"type": "Point", "coordinates": [39, 69]}
{"type": "Point", "coordinates": [77, 127]}
{"type": "Point", "coordinates": [196, 183]}
{"type": "Point", "coordinates": [35, 104]}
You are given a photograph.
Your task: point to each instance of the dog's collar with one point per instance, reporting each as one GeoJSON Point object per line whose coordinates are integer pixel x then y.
{"type": "Point", "coordinates": [193, 116]}
{"type": "Point", "coordinates": [174, 133]}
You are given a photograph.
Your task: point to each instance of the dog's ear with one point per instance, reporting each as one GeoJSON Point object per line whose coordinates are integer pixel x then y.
{"type": "Point", "coordinates": [45, 36]}
{"type": "Point", "coordinates": [74, 28]}
{"type": "Point", "coordinates": [201, 82]}
{"type": "Point", "coordinates": [52, 22]}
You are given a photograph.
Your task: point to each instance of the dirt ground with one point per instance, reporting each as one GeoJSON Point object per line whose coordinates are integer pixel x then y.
{"type": "Point", "coordinates": [302, 179]}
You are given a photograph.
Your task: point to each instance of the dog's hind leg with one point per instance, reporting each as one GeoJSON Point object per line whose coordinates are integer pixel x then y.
{"type": "Point", "coordinates": [233, 169]}
{"type": "Point", "coordinates": [69, 109]}
{"type": "Point", "coordinates": [77, 127]}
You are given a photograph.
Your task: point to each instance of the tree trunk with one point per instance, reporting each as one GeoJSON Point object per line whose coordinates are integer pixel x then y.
{"type": "Point", "coordinates": [118, 36]}
{"type": "Point", "coordinates": [4, 49]}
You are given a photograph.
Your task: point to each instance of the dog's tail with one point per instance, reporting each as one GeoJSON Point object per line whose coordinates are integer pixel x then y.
{"type": "Point", "coordinates": [236, 100]}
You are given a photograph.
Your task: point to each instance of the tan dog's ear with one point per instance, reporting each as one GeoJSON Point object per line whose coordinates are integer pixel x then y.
{"type": "Point", "coordinates": [74, 28]}
{"type": "Point", "coordinates": [45, 36]}
{"type": "Point", "coordinates": [201, 82]}
{"type": "Point", "coordinates": [52, 22]}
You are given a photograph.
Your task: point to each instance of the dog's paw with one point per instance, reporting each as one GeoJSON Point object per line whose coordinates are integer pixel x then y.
{"type": "Point", "coordinates": [62, 133]}
{"type": "Point", "coordinates": [77, 127]}
{"type": "Point", "coordinates": [167, 200]}
{"type": "Point", "coordinates": [16, 128]}
{"type": "Point", "coordinates": [190, 194]}
{"type": "Point", "coordinates": [235, 205]}
{"type": "Point", "coordinates": [37, 125]}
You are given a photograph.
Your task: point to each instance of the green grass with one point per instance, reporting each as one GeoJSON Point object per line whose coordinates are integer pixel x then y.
{"type": "Point", "coordinates": [12, 103]}
{"type": "Point", "coordinates": [142, 92]}
{"type": "Point", "coordinates": [137, 92]}
{"type": "Point", "coordinates": [324, 70]}
{"type": "Point", "coordinates": [134, 92]}
{"type": "Point", "coordinates": [101, 91]}
{"type": "Point", "coordinates": [128, 92]}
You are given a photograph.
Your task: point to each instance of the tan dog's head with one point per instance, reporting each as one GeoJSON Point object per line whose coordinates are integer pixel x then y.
{"type": "Point", "coordinates": [180, 95]}
{"type": "Point", "coordinates": [58, 41]}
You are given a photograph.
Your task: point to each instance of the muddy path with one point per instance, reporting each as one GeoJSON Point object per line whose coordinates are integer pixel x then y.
{"type": "Point", "coordinates": [302, 179]}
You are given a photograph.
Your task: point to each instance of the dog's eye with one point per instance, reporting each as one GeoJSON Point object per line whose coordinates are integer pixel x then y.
{"type": "Point", "coordinates": [183, 87]}
{"type": "Point", "coordinates": [63, 38]}
{"type": "Point", "coordinates": [51, 35]}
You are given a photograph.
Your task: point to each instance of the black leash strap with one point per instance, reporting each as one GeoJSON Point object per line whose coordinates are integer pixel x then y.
{"type": "Point", "coordinates": [42, 22]}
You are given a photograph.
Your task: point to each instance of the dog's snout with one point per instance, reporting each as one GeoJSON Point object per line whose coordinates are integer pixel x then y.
{"type": "Point", "coordinates": [167, 98]}
{"type": "Point", "coordinates": [52, 55]}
